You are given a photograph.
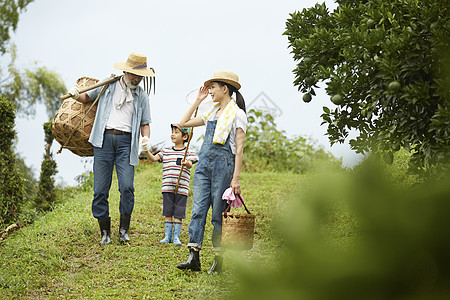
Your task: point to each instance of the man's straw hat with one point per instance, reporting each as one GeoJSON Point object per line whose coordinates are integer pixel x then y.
{"type": "Point", "coordinates": [135, 64]}
{"type": "Point", "coordinates": [225, 76]}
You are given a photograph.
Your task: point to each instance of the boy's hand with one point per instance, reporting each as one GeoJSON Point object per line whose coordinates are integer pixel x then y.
{"type": "Point", "coordinates": [187, 164]}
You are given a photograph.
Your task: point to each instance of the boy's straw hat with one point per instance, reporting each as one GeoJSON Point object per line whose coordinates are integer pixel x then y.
{"type": "Point", "coordinates": [225, 76]}
{"type": "Point", "coordinates": [135, 64]}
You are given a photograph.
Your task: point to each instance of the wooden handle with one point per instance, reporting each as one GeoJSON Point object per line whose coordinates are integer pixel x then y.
{"type": "Point", "coordinates": [84, 90]}
{"type": "Point", "coordinates": [229, 206]}
{"type": "Point", "coordinates": [185, 153]}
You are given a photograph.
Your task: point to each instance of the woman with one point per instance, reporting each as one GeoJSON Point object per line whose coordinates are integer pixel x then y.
{"type": "Point", "coordinates": [220, 161]}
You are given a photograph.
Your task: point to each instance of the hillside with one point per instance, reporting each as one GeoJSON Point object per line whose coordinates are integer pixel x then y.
{"type": "Point", "coordinates": [58, 256]}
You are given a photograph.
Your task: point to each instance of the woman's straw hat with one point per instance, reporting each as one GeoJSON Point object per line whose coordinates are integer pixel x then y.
{"type": "Point", "coordinates": [135, 64]}
{"type": "Point", "coordinates": [225, 76]}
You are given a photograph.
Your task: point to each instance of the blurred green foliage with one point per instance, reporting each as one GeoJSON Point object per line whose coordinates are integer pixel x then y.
{"type": "Point", "coordinates": [386, 67]}
{"type": "Point", "coordinates": [269, 149]}
{"type": "Point", "coordinates": [358, 235]}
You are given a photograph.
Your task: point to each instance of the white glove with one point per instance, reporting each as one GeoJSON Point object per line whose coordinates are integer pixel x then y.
{"type": "Point", "coordinates": [145, 144]}
{"type": "Point", "coordinates": [74, 92]}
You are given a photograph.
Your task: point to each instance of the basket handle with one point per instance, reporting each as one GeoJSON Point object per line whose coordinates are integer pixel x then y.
{"type": "Point", "coordinates": [229, 206]}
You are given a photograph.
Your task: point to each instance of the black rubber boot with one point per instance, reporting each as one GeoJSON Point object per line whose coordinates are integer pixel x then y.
{"type": "Point", "coordinates": [193, 261]}
{"type": "Point", "coordinates": [216, 267]}
{"type": "Point", "coordinates": [123, 228]}
{"type": "Point", "coordinates": [105, 230]}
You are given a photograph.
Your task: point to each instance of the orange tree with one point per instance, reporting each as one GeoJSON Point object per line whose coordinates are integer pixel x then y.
{"type": "Point", "coordinates": [386, 66]}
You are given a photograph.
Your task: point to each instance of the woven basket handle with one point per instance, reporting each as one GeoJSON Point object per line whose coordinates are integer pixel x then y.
{"type": "Point", "coordinates": [229, 206]}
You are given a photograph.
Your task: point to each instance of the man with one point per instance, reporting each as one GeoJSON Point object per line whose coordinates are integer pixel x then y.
{"type": "Point", "coordinates": [123, 114]}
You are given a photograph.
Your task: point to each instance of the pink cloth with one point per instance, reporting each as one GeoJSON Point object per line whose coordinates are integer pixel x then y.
{"type": "Point", "coordinates": [231, 198]}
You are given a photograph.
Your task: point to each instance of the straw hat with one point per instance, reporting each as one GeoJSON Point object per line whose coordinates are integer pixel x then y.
{"type": "Point", "coordinates": [225, 76]}
{"type": "Point", "coordinates": [135, 64]}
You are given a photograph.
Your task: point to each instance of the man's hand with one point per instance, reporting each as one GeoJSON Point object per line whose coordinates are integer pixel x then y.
{"type": "Point", "coordinates": [145, 143]}
{"type": "Point", "coordinates": [74, 92]}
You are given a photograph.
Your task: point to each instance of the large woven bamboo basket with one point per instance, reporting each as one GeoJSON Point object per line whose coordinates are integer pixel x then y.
{"type": "Point", "coordinates": [238, 231]}
{"type": "Point", "coordinates": [73, 122]}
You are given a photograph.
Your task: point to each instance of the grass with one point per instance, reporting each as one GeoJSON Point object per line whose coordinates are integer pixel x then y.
{"type": "Point", "coordinates": [362, 234]}
{"type": "Point", "coordinates": [58, 256]}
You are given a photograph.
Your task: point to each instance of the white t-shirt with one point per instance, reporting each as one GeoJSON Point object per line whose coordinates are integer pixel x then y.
{"type": "Point", "coordinates": [239, 122]}
{"type": "Point", "coordinates": [120, 118]}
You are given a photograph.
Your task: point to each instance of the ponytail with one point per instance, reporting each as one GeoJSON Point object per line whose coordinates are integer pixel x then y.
{"type": "Point", "coordinates": [240, 101]}
{"type": "Point", "coordinates": [239, 98]}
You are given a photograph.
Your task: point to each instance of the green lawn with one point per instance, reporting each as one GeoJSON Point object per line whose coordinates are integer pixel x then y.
{"type": "Point", "coordinates": [360, 234]}
{"type": "Point", "coordinates": [58, 256]}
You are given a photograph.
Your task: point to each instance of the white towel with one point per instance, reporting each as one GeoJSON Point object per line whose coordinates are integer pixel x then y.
{"type": "Point", "coordinates": [126, 96]}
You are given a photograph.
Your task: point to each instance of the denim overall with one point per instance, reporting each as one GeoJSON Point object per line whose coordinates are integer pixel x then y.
{"type": "Point", "coordinates": [212, 177]}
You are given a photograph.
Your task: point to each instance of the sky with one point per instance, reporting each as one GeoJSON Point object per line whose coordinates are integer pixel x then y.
{"type": "Point", "coordinates": [185, 42]}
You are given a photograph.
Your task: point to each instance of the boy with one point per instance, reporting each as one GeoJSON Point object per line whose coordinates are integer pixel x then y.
{"type": "Point", "coordinates": [174, 205]}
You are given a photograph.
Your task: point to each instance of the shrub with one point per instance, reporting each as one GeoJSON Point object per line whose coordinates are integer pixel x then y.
{"type": "Point", "coordinates": [46, 190]}
{"type": "Point", "coordinates": [269, 149]}
{"type": "Point", "coordinates": [357, 236]}
{"type": "Point", "coordinates": [12, 189]}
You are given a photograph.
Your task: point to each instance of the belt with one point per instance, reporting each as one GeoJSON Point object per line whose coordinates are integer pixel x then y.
{"type": "Point", "coordinates": [116, 132]}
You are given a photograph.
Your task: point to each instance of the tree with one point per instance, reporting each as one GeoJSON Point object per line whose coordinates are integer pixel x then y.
{"type": "Point", "coordinates": [32, 86]}
{"type": "Point", "coordinates": [24, 89]}
{"type": "Point", "coordinates": [267, 148]}
{"type": "Point", "coordinates": [11, 181]}
{"type": "Point", "coordinates": [9, 14]}
{"type": "Point", "coordinates": [46, 191]}
{"type": "Point", "coordinates": [386, 67]}
{"type": "Point", "coordinates": [30, 182]}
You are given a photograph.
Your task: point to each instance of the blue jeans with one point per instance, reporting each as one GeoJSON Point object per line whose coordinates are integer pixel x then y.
{"type": "Point", "coordinates": [115, 152]}
{"type": "Point", "coordinates": [212, 177]}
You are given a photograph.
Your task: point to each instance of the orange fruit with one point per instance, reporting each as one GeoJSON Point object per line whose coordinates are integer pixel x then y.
{"type": "Point", "coordinates": [394, 85]}
{"type": "Point", "coordinates": [307, 97]}
{"type": "Point", "coordinates": [337, 99]}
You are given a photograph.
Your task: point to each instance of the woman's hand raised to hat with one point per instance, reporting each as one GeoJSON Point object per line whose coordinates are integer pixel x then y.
{"type": "Point", "coordinates": [202, 94]}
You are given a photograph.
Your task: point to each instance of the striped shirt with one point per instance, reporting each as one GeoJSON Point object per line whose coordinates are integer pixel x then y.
{"type": "Point", "coordinates": [171, 160]}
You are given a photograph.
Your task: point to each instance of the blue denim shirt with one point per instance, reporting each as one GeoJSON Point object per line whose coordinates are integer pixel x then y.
{"type": "Point", "coordinates": [141, 116]}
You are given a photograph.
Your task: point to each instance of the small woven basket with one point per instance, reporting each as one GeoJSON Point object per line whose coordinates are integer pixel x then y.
{"type": "Point", "coordinates": [238, 229]}
{"type": "Point", "coordinates": [73, 122]}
